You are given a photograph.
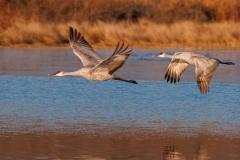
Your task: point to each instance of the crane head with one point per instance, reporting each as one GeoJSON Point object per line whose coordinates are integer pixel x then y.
{"type": "Point", "coordinates": [161, 54]}
{"type": "Point", "coordinates": [58, 73]}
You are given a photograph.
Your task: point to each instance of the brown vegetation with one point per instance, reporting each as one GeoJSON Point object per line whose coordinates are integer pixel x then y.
{"type": "Point", "coordinates": [142, 34]}
{"type": "Point", "coordinates": [140, 23]}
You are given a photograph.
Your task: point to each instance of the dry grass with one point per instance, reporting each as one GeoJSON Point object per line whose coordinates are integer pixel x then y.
{"type": "Point", "coordinates": [140, 23]}
{"type": "Point", "coordinates": [142, 34]}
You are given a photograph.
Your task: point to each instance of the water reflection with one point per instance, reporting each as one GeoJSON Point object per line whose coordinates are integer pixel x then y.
{"type": "Point", "coordinates": [170, 150]}
{"type": "Point", "coordinates": [201, 151]}
{"type": "Point", "coordinates": [155, 146]}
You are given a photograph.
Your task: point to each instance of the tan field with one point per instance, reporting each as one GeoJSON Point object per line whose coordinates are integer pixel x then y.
{"type": "Point", "coordinates": [144, 34]}
{"type": "Point", "coordinates": [140, 23]}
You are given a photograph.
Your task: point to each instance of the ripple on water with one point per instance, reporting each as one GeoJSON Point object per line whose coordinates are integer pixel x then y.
{"type": "Point", "coordinates": [50, 103]}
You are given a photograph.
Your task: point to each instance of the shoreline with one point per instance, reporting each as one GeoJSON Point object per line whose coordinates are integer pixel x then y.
{"type": "Point", "coordinates": [144, 34]}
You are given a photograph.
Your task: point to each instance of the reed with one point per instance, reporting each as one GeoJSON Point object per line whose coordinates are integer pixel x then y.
{"type": "Point", "coordinates": [185, 34]}
{"type": "Point", "coordinates": [140, 23]}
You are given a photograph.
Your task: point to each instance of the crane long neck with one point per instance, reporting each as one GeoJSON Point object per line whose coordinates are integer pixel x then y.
{"type": "Point", "coordinates": [168, 56]}
{"type": "Point", "coordinates": [71, 73]}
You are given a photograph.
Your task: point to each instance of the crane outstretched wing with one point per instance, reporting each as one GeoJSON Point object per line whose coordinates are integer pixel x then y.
{"type": "Point", "coordinates": [204, 72]}
{"type": "Point", "coordinates": [83, 49]}
{"type": "Point", "coordinates": [175, 68]}
{"type": "Point", "coordinates": [114, 62]}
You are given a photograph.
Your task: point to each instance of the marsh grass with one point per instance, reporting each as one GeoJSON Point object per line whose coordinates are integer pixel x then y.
{"type": "Point", "coordinates": [140, 23]}
{"type": "Point", "coordinates": [145, 33]}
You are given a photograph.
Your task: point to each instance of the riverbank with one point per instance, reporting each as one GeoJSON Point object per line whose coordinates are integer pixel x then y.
{"type": "Point", "coordinates": [144, 34]}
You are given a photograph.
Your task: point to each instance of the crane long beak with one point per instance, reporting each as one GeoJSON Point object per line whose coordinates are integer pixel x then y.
{"type": "Point", "coordinates": [51, 74]}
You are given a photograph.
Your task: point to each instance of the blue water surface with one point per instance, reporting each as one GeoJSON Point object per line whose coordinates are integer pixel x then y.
{"type": "Point", "coordinates": [36, 103]}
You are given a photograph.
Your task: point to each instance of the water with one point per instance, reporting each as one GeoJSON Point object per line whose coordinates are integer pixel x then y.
{"type": "Point", "coordinates": [45, 117]}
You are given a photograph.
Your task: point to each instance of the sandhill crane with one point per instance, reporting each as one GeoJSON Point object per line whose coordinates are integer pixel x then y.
{"type": "Point", "coordinates": [95, 68]}
{"type": "Point", "coordinates": [204, 67]}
